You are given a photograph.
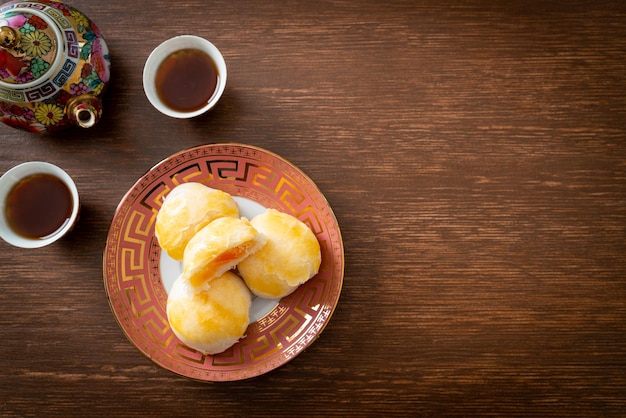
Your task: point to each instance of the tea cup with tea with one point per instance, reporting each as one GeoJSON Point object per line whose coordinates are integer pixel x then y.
{"type": "Point", "coordinates": [39, 204]}
{"type": "Point", "coordinates": [184, 76]}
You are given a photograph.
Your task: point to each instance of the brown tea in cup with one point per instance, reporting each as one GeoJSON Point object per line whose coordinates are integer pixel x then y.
{"type": "Point", "coordinates": [185, 76]}
{"type": "Point", "coordinates": [186, 80]}
{"type": "Point", "coordinates": [38, 206]}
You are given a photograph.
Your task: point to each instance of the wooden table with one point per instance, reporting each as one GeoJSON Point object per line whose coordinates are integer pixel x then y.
{"type": "Point", "coordinates": [474, 155]}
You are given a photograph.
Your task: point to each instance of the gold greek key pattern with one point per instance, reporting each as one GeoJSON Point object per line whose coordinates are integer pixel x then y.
{"type": "Point", "coordinates": [11, 95]}
{"type": "Point", "coordinates": [58, 17]}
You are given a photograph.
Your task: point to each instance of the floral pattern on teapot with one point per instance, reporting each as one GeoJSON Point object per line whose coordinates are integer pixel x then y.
{"type": "Point", "coordinates": [83, 69]}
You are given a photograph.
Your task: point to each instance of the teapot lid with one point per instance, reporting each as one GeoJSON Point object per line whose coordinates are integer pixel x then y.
{"type": "Point", "coordinates": [31, 43]}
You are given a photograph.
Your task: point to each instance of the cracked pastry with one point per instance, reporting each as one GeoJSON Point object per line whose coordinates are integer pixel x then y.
{"type": "Point", "coordinates": [218, 247]}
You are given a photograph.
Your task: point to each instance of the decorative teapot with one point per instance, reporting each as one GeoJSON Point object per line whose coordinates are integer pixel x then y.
{"type": "Point", "coordinates": [54, 66]}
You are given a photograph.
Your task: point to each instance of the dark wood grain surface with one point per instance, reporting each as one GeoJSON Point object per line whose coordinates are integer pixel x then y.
{"type": "Point", "coordinates": [474, 154]}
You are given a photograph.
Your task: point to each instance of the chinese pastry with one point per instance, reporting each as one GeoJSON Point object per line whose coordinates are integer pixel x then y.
{"type": "Point", "coordinates": [290, 256]}
{"type": "Point", "coordinates": [218, 247]}
{"type": "Point", "coordinates": [187, 209]}
{"type": "Point", "coordinates": [212, 317]}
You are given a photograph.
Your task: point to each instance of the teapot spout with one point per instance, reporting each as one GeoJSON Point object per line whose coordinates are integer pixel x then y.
{"type": "Point", "coordinates": [84, 110]}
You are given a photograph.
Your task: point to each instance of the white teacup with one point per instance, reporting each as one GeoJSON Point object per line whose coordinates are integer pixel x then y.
{"type": "Point", "coordinates": [15, 175]}
{"type": "Point", "coordinates": [163, 52]}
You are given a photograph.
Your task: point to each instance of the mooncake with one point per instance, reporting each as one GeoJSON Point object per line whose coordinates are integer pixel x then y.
{"type": "Point", "coordinates": [218, 247]}
{"type": "Point", "coordinates": [212, 317]}
{"type": "Point", "coordinates": [290, 256]}
{"type": "Point", "coordinates": [187, 209]}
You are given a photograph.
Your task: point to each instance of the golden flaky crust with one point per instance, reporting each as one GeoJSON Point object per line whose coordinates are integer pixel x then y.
{"type": "Point", "coordinates": [187, 209]}
{"type": "Point", "coordinates": [290, 256]}
{"type": "Point", "coordinates": [212, 317]}
{"type": "Point", "coordinates": [208, 305]}
{"type": "Point", "coordinates": [218, 247]}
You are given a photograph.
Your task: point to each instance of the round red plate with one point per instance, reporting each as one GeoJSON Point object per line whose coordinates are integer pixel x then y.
{"type": "Point", "coordinates": [136, 282]}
